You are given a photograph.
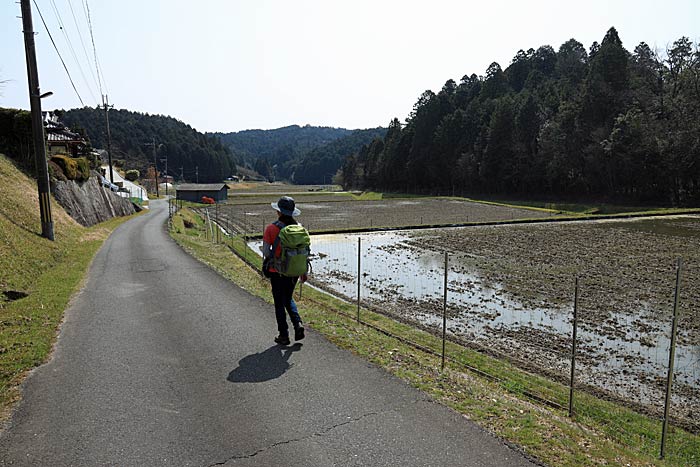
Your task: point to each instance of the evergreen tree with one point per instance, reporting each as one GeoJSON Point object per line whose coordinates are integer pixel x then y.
{"type": "Point", "coordinates": [600, 125]}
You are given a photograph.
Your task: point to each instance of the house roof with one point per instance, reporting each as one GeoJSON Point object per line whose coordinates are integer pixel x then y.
{"type": "Point", "coordinates": [56, 132]}
{"type": "Point", "coordinates": [201, 187]}
{"type": "Point", "coordinates": [66, 137]}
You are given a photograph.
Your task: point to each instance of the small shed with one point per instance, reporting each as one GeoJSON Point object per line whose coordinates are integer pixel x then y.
{"type": "Point", "coordinates": [194, 191]}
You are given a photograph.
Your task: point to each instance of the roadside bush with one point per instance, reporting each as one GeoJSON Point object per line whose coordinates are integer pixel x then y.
{"type": "Point", "coordinates": [55, 172]}
{"type": "Point", "coordinates": [16, 137]}
{"type": "Point", "coordinates": [68, 166]}
{"type": "Point", "coordinates": [132, 175]}
{"type": "Point", "coordinates": [83, 169]}
{"type": "Point", "coordinates": [74, 169]}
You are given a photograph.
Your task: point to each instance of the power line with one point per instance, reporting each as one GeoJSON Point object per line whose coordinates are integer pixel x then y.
{"type": "Point", "coordinates": [59, 54]}
{"type": "Point", "coordinates": [100, 76]}
{"type": "Point", "coordinates": [63, 29]}
{"type": "Point", "coordinates": [82, 43]}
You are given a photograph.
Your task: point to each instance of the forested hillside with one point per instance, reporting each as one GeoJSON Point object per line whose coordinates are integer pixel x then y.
{"type": "Point", "coordinates": [200, 156]}
{"type": "Point", "coordinates": [601, 123]}
{"type": "Point", "coordinates": [321, 164]}
{"type": "Point", "coordinates": [305, 154]}
{"type": "Point", "coordinates": [278, 146]}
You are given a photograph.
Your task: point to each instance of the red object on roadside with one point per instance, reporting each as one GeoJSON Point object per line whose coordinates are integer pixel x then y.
{"type": "Point", "coordinates": [208, 200]}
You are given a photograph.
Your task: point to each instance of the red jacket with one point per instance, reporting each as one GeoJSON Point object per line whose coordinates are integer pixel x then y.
{"type": "Point", "coordinates": [269, 237]}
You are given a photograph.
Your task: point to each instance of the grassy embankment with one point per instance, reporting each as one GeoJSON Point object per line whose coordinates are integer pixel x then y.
{"type": "Point", "coordinates": [492, 392]}
{"type": "Point", "coordinates": [48, 272]}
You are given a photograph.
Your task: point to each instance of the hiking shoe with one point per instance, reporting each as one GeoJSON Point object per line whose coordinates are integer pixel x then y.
{"type": "Point", "coordinates": [298, 333]}
{"type": "Point", "coordinates": [282, 340]}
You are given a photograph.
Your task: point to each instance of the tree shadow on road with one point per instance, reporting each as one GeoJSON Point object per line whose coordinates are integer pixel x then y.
{"type": "Point", "coordinates": [263, 366]}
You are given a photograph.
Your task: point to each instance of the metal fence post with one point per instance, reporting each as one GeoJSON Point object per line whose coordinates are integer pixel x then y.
{"type": "Point", "coordinates": [210, 228]}
{"type": "Point", "coordinates": [245, 245]}
{"type": "Point", "coordinates": [359, 275]}
{"type": "Point", "coordinates": [217, 222]}
{"type": "Point", "coordinates": [573, 350]}
{"type": "Point", "coordinates": [444, 314]}
{"type": "Point", "coordinates": [671, 358]}
{"type": "Point", "coordinates": [206, 224]}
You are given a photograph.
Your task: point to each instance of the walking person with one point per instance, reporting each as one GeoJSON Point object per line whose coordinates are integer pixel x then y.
{"type": "Point", "coordinates": [282, 285]}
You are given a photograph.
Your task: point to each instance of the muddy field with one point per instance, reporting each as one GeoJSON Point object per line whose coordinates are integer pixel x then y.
{"type": "Point", "coordinates": [276, 188]}
{"type": "Point", "coordinates": [300, 198]}
{"type": "Point", "coordinates": [511, 290]}
{"type": "Point", "coordinates": [622, 266]}
{"type": "Point", "coordinates": [321, 214]}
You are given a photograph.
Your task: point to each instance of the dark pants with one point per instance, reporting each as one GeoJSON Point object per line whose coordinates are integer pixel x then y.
{"type": "Point", "coordinates": [282, 291]}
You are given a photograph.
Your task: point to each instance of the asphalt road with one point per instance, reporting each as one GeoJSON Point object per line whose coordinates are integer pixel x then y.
{"type": "Point", "coordinates": [161, 361]}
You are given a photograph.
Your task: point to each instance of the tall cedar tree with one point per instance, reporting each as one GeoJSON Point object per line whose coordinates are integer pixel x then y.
{"type": "Point", "coordinates": [597, 125]}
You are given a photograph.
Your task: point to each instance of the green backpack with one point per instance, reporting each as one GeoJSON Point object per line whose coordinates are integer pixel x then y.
{"type": "Point", "coordinates": [296, 248]}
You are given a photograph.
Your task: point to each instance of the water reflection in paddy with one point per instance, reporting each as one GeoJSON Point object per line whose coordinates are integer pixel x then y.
{"type": "Point", "coordinates": [399, 278]}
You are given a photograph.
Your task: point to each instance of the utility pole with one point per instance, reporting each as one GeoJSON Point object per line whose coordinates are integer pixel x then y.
{"type": "Point", "coordinates": [155, 164]}
{"type": "Point", "coordinates": [155, 167]}
{"type": "Point", "coordinates": [105, 104]}
{"type": "Point", "coordinates": [166, 173]}
{"type": "Point", "coordinates": [42, 170]}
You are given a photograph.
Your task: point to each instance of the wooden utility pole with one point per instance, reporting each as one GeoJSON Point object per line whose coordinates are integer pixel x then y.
{"type": "Point", "coordinates": [105, 104]}
{"type": "Point", "coordinates": [155, 164]}
{"type": "Point", "coordinates": [166, 173]}
{"type": "Point", "coordinates": [42, 169]}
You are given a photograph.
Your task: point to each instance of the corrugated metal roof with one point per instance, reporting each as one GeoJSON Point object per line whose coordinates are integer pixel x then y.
{"type": "Point", "coordinates": [201, 187]}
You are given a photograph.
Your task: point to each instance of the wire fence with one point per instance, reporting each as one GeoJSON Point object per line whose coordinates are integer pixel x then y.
{"type": "Point", "coordinates": [609, 337]}
{"type": "Point", "coordinates": [623, 348]}
{"type": "Point", "coordinates": [329, 216]}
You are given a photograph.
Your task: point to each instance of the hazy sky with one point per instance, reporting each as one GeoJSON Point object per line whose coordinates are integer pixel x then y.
{"type": "Point", "coordinates": [231, 65]}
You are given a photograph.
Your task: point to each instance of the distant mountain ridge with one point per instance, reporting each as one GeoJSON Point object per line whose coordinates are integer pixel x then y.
{"type": "Point", "coordinates": [279, 144]}
{"type": "Point", "coordinates": [301, 154]}
{"type": "Point", "coordinates": [319, 165]}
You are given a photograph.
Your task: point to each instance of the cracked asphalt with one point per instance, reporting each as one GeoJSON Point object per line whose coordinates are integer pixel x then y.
{"type": "Point", "coordinates": [160, 361]}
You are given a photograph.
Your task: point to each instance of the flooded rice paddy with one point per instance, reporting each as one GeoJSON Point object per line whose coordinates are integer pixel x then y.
{"type": "Point", "coordinates": [511, 291]}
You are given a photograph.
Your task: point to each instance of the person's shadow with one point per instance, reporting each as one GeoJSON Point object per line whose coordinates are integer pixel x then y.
{"type": "Point", "coordinates": [263, 366]}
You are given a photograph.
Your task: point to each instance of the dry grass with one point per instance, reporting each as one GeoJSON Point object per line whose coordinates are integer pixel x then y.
{"type": "Point", "coordinates": [23, 252]}
{"type": "Point", "coordinates": [49, 272]}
